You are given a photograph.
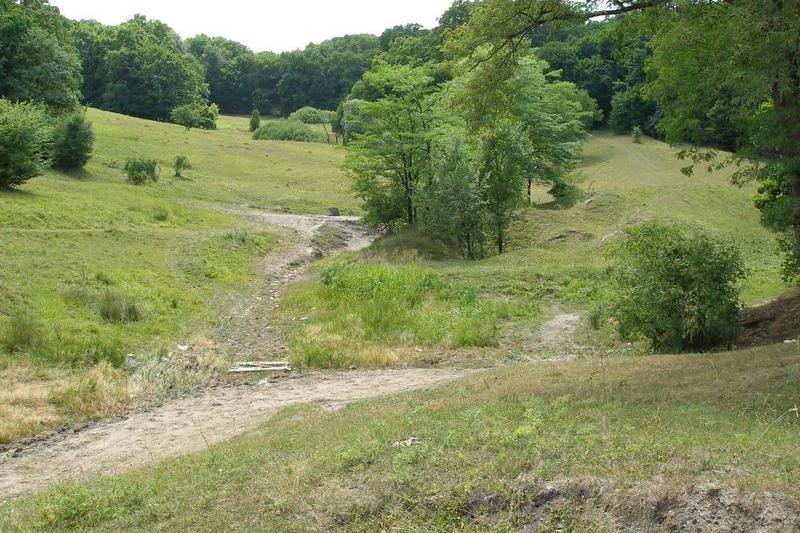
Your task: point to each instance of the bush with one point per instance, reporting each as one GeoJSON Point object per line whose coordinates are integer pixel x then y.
{"type": "Point", "coordinates": [25, 142]}
{"type": "Point", "coordinates": [72, 143]}
{"type": "Point", "coordinates": [288, 130]}
{"type": "Point", "coordinates": [196, 115]}
{"type": "Point", "coordinates": [181, 163]}
{"type": "Point", "coordinates": [139, 170]}
{"type": "Point", "coordinates": [637, 134]}
{"type": "Point", "coordinates": [114, 307]}
{"type": "Point", "coordinates": [676, 287]}
{"type": "Point", "coordinates": [255, 120]}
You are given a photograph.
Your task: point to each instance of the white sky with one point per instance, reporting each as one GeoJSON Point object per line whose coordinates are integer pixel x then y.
{"type": "Point", "coordinates": [276, 25]}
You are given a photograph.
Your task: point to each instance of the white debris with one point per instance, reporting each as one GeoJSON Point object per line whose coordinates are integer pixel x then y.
{"type": "Point", "coordinates": [790, 341]}
{"type": "Point", "coordinates": [410, 441]}
{"type": "Point", "coordinates": [182, 347]}
{"type": "Point", "coordinates": [260, 366]}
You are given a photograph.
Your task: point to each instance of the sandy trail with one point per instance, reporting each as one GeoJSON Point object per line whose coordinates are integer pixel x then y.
{"type": "Point", "coordinates": [185, 425]}
{"type": "Point", "coordinates": [247, 331]}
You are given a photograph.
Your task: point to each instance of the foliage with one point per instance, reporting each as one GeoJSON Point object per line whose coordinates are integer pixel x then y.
{"type": "Point", "coordinates": [455, 202]}
{"type": "Point", "coordinates": [347, 120]}
{"type": "Point", "coordinates": [38, 60]}
{"type": "Point", "coordinates": [196, 115]}
{"type": "Point", "coordinates": [140, 170]}
{"type": "Point", "coordinates": [255, 120]}
{"type": "Point", "coordinates": [180, 164]}
{"type": "Point", "coordinates": [287, 130]}
{"type": "Point", "coordinates": [139, 68]}
{"type": "Point", "coordinates": [629, 110]}
{"type": "Point", "coordinates": [677, 288]}
{"type": "Point", "coordinates": [73, 141]}
{"type": "Point", "coordinates": [740, 75]}
{"type": "Point", "coordinates": [25, 142]}
{"type": "Point", "coordinates": [390, 159]}
{"type": "Point", "coordinates": [637, 134]}
{"type": "Point", "coordinates": [312, 115]}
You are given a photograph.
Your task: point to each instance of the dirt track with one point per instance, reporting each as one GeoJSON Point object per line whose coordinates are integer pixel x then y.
{"type": "Point", "coordinates": [188, 424]}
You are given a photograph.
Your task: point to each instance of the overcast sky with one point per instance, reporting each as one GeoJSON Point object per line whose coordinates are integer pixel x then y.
{"type": "Point", "coordinates": [276, 25]}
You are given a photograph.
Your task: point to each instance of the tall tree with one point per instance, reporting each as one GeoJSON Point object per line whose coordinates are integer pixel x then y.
{"type": "Point", "coordinates": [391, 158]}
{"type": "Point", "coordinates": [148, 71]}
{"type": "Point", "coordinates": [745, 53]}
{"type": "Point", "coordinates": [37, 59]}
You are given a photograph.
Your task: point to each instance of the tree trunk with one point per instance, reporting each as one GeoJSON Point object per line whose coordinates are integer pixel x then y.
{"type": "Point", "coordinates": [530, 199]}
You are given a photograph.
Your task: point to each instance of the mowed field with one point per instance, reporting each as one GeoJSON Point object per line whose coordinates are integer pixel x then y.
{"type": "Point", "coordinates": [93, 268]}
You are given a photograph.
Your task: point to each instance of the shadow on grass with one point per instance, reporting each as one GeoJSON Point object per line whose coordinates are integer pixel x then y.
{"type": "Point", "coordinates": [11, 192]}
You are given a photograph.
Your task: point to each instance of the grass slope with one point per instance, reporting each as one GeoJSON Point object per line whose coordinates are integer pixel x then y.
{"type": "Point", "coordinates": [623, 441]}
{"type": "Point", "coordinates": [73, 245]}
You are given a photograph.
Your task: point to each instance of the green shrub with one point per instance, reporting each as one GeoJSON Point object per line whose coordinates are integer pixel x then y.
{"type": "Point", "coordinates": [139, 170]}
{"type": "Point", "coordinates": [22, 333]}
{"type": "Point", "coordinates": [180, 164]}
{"type": "Point", "coordinates": [25, 142]}
{"type": "Point", "coordinates": [676, 287]}
{"type": "Point", "coordinates": [196, 115]}
{"type": "Point", "coordinates": [637, 134]}
{"type": "Point", "coordinates": [255, 120]}
{"type": "Point", "coordinates": [114, 307]}
{"type": "Point", "coordinates": [288, 130]}
{"type": "Point", "coordinates": [72, 142]}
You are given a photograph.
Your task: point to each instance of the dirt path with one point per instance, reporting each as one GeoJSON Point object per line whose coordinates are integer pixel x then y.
{"type": "Point", "coordinates": [191, 423]}
{"type": "Point", "coordinates": [247, 331]}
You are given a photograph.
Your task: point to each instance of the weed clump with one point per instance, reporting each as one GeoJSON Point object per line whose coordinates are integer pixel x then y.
{"type": "Point", "coordinates": [114, 307]}
{"type": "Point", "coordinates": [22, 333]}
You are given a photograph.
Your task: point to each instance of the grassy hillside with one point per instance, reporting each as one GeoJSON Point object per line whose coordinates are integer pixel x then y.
{"type": "Point", "coordinates": [580, 446]}
{"type": "Point", "coordinates": [556, 260]}
{"type": "Point", "coordinates": [81, 251]}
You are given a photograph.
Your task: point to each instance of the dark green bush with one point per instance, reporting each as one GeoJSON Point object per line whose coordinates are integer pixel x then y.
{"type": "Point", "coordinates": [72, 142]}
{"type": "Point", "coordinates": [196, 115]}
{"type": "Point", "coordinates": [255, 120]}
{"type": "Point", "coordinates": [114, 307]}
{"type": "Point", "coordinates": [25, 142]}
{"type": "Point", "coordinates": [139, 170]}
{"type": "Point", "coordinates": [677, 287]}
{"type": "Point", "coordinates": [288, 130]}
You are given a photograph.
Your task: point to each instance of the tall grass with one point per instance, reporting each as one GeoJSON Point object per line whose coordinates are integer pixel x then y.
{"type": "Point", "coordinates": [376, 314]}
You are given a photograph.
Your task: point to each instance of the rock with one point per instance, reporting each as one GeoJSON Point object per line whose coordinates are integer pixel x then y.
{"type": "Point", "coordinates": [130, 361]}
{"type": "Point", "coordinates": [333, 212]}
{"type": "Point", "coordinates": [183, 347]}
